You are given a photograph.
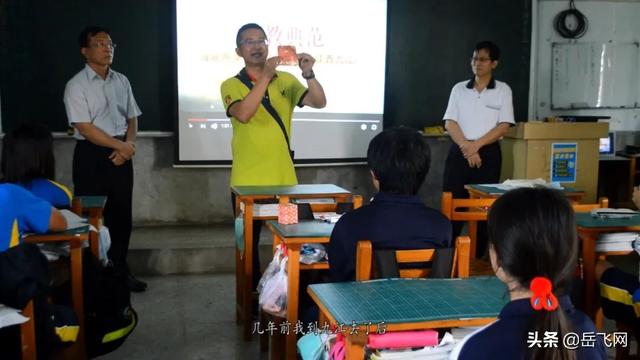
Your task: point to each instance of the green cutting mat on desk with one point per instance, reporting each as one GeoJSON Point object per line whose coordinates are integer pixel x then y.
{"type": "Point", "coordinates": [412, 300]}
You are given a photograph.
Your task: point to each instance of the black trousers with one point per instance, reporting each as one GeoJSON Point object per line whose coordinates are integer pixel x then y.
{"type": "Point", "coordinates": [95, 174]}
{"type": "Point", "coordinates": [457, 174]}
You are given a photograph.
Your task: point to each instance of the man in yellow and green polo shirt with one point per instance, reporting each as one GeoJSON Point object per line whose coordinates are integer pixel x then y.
{"type": "Point", "coordinates": [260, 143]}
{"type": "Point", "coordinates": [260, 150]}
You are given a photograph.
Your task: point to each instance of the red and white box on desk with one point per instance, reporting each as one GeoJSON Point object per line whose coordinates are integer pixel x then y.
{"type": "Point", "coordinates": [288, 214]}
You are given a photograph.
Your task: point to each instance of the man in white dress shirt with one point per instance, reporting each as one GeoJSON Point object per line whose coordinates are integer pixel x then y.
{"type": "Point", "coordinates": [101, 108]}
{"type": "Point", "coordinates": [479, 113]}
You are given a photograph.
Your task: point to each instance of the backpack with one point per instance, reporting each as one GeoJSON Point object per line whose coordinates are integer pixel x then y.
{"type": "Point", "coordinates": [109, 317]}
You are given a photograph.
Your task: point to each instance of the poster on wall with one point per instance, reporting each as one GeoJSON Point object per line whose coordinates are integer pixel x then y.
{"type": "Point", "coordinates": [564, 159]}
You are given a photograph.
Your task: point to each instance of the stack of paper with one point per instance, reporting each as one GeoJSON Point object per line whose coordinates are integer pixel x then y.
{"type": "Point", "coordinates": [613, 213]}
{"type": "Point", "coordinates": [315, 201]}
{"type": "Point", "coordinates": [462, 332]}
{"type": "Point", "coordinates": [53, 251]}
{"type": "Point", "coordinates": [526, 183]}
{"type": "Point", "coordinates": [330, 217]}
{"type": "Point", "coordinates": [10, 316]}
{"type": "Point", "coordinates": [73, 220]}
{"type": "Point", "coordinates": [263, 209]}
{"type": "Point", "coordinates": [616, 242]}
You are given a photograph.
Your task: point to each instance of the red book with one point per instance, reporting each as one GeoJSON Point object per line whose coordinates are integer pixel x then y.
{"type": "Point", "coordinates": [287, 55]}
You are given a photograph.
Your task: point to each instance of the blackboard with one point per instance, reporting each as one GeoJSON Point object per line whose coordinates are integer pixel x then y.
{"type": "Point", "coordinates": [39, 54]}
{"type": "Point", "coordinates": [590, 75]}
{"type": "Point", "coordinates": [429, 47]}
{"type": "Point", "coordinates": [429, 44]}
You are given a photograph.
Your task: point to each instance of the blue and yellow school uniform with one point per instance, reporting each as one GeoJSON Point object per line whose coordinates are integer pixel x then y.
{"type": "Point", "coordinates": [55, 193]}
{"type": "Point", "coordinates": [260, 152]}
{"type": "Point", "coordinates": [507, 337]}
{"type": "Point", "coordinates": [20, 211]}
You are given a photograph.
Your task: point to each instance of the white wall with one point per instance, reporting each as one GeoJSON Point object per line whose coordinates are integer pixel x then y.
{"type": "Point", "coordinates": [616, 21]}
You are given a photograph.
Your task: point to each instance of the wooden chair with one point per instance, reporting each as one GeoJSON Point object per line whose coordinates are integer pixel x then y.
{"type": "Point", "coordinates": [28, 334]}
{"type": "Point", "coordinates": [469, 210]}
{"type": "Point", "coordinates": [460, 268]}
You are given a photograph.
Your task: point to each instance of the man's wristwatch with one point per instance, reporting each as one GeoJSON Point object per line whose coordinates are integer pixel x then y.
{"type": "Point", "coordinates": [308, 76]}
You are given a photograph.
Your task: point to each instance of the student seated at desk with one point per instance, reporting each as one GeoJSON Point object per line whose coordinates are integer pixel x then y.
{"type": "Point", "coordinates": [396, 218]}
{"type": "Point", "coordinates": [619, 290]}
{"type": "Point", "coordinates": [533, 247]}
{"type": "Point", "coordinates": [27, 160]}
{"type": "Point", "coordinates": [22, 212]}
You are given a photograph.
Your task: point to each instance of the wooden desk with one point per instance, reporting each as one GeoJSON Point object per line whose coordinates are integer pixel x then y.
{"type": "Point", "coordinates": [75, 237]}
{"type": "Point", "coordinates": [28, 334]}
{"type": "Point", "coordinates": [589, 228]}
{"type": "Point", "coordinates": [480, 191]}
{"type": "Point", "coordinates": [247, 195]}
{"type": "Point", "coordinates": [92, 206]}
{"type": "Point", "coordinates": [407, 304]}
{"type": "Point", "coordinates": [27, 331]}
{"type": "Point", "coordinates": [293, 236]}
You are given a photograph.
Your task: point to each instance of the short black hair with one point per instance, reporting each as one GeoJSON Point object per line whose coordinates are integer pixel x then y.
{"type": "Point", "coordinates": [89, 32]}
{"type": "Point", "coordinates": [247, 27]}
{"type": "Point", "coordinates": [491, 47]}
{"type": "Point", "coordinates": [27, 154]}
{"type": "Point", "coordinates": [399, 158]}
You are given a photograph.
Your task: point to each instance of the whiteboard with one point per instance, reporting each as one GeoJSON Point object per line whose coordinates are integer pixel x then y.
{"type": "Point", "coordinates": [593, 75]}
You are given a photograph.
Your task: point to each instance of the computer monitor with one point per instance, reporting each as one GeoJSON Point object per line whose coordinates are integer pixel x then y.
{"type": "Point", "coordinates": [608, 144]}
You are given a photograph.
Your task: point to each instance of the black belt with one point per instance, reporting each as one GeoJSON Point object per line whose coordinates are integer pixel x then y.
{"type": "Point", "coordinates": [117, 137]}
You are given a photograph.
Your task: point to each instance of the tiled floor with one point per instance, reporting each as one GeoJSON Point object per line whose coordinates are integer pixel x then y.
{"type": "Point", "coordinates": [186, 317]}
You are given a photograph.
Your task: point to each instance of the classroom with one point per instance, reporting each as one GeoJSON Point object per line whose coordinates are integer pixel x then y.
{"type": "Point", "coordinates": [575, 94]}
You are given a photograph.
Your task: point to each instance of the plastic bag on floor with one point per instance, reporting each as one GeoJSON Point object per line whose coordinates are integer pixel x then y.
{"type": "Point", "coordinates": [272, 269]}
{"type": "Point", "coordinates": [273, 297]}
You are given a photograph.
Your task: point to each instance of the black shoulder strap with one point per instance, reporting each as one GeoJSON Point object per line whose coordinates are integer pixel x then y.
{"type": "Point", "coordinates": [386, 264]}
{"type": "Point", "coordinates": [244, 78]}
{"type": "Point", "coordinates": [442, 263]}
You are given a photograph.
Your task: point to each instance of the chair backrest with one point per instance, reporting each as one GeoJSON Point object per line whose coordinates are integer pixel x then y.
{"type": "Point", "coordinates": [460, 268]}
{"type": "Point", "coordinates": [469, 210]}
{"type": "Point", "coordinates": [603, 202]}
{"type": "Point", "coordinates": [465, 209]}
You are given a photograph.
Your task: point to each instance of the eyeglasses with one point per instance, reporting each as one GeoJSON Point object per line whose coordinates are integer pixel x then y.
{"type": "Point", "coordinates": [103, 44]}
{"type": "Point", "coordinates": [480, 59]}
{"type": "Point", "coordinates": [254, 42]}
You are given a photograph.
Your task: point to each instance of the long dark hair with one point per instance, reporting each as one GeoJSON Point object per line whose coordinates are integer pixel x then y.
{"type": "Point", "coordinates": [533, 233]}
{"type": "Point", "coordinates": [27, 154]}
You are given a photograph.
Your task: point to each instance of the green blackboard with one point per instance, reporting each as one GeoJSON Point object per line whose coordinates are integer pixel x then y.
{"type": "Point", "coordinates": [429, 46]}
{"type": "Point", "coordinates": [39, 54]}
